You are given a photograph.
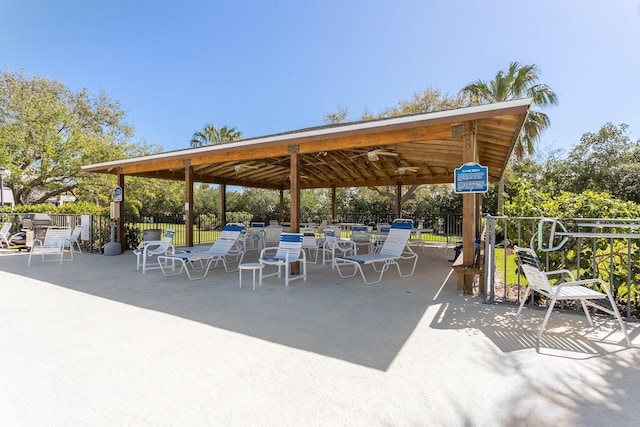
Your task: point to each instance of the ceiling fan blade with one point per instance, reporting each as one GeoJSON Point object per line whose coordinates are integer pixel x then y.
{"type": "Point", "coordinates": [242, 167]}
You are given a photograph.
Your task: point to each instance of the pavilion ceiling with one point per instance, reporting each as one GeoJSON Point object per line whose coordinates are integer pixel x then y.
{"type": "Point", "coordinates": [418, 149]}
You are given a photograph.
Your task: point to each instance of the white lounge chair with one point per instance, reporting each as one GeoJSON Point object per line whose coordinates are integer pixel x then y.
{"type": "Point", "coordinates": [289, 250]}
{"type": "Point", "coordinates": [334, 245]}
{"type": "Point", "coordinates": [56, 240]}
{"type": "Point", "coordinates": [311, 244]}
{"type": "Point", "coordinates": [393, 249]}
{"type": "Point", "coordinates": [4, 233]}
{"type": "Point", "coordinates": [564, 290]}
{"type": "Point", "coordinates": [147, 249]}
{"type": "Point", "coordinates": [75, 239]}
{"type": "Point", "coordinates": [224, 249]}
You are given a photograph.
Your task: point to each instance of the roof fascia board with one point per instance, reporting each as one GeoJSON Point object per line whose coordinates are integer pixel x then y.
{"type": "Point", "coordinates": [466, 113]}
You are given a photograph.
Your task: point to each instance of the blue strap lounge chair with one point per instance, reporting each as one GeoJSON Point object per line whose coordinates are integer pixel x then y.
{"type": "Point", "coordinates": [225, 249]}
{"type": "Point", "coordinates": [393, 249]}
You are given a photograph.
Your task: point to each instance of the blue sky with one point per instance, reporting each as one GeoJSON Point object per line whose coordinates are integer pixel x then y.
{"type": "Point", "coordinates": [267, 67]}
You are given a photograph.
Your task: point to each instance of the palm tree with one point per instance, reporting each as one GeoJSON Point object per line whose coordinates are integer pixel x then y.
{"type": "Point", "coordinates": [519, 81]}
{"type": "Point", "coordinates": [210, 135]}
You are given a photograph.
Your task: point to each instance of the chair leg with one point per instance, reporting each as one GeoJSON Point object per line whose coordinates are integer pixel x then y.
{"type": "Point", "coordinates": [585, 308]}
{"type": "Point", "coordinates": [546, 317]}
{"type": "Point", "coordinates": [524, 298]}
{"type": "Point", "coordinates": [286, 273]}
{"type": "Point", "coordinates": [623, 327]}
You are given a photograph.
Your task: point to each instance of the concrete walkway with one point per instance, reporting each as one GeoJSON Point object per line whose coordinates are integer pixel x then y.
{"type": "Point", "coordinates": [96, 343]}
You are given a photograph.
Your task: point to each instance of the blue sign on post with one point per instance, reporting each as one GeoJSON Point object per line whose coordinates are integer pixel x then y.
{"type": "Point", "coordinates": [117, 194]}
{"type": "Point", "coordinates": [471, 178]}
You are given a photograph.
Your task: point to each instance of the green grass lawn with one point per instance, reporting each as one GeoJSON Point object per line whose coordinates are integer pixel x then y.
{"type": "Point", "coordinates": [508, 271]}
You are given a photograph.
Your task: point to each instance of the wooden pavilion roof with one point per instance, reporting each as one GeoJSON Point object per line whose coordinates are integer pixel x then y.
{"type": "Point", "coordinates": [414, 149]}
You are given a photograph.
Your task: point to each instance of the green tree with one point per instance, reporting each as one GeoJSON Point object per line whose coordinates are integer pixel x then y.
{"type": "Point", "coordinates": [519, 81]}
{"type": "Point", "coordinates": [211, 135]}
{"type": "Point", "coordinates": [48, 132]}
{"type": "Point", "coordinates": [427, 101]}
{"type": "Point", "coordinates": [603, 160]}
{"type": "Point", "coordinates": [206, 198]}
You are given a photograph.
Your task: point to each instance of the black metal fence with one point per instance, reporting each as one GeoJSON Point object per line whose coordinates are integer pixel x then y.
{"type": "Point", "coordinates": [438, 228]}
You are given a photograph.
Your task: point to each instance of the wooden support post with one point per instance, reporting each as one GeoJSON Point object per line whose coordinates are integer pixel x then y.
{"type": "Point", "coordinates": [120, 236]}
{"type": "Point", "coordinates": [188, 204]}
{"type": "Point", "coordinates": [281, 214]}
{"type": "Point", "coordinates": [468, 209]}
{"type": "Point", "coordinates": [294, 187]}
{"type": "Point", "coordinates": [223, 205]}
{"type": "Point", "coordinates": [334, 205]}
{"type": "Point", "coordinates": [398, 200]}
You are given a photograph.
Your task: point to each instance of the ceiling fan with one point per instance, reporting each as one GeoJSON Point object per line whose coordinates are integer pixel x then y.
{"type": "Point", "coordinates": [374, 155]}
{"type": "Point", "coordinates": [242, 168]}
{"type": "Point", "coordinates": [401, 170]}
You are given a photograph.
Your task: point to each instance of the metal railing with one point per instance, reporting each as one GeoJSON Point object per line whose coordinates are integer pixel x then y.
{"type": "Point", "coordinates": [608, 249]}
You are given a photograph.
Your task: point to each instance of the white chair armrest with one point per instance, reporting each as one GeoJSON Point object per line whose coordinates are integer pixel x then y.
{"type": "Point", "coordinates": [563, 271]}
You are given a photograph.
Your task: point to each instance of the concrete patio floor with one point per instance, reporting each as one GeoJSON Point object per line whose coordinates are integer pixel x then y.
{"type": "Point", "coordinates": [94, 342]}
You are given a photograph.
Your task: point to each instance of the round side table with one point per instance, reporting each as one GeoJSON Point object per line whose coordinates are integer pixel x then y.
{"type": "Point", "coordinates": [253, 266]}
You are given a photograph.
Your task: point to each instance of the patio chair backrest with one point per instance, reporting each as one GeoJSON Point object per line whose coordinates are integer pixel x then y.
{"type": "Point", "coordinates": [532, 268]}
{"type": "Point", "coordinates": [168, 236]}
{"type": "Point", "coordinates": [56, 237]}
{"type": "Point", "coordinates": [289, 247]}
{"type": "Point", "coordinates": [257, 226]}
{"type": "Point", "coordinates": [231, 231]}
{"type": "Point", "coordinates": [397, 239]}
{"type": "Point", "coordinates": [331, 234]}
{"type": "Point", "coordinates": [227, 240]}
{"type": "Point", "coordinates": [161, 247]}
{"type": "Point", "coordinates": [359, 233]}
{"type": "Point", "coordinates": [5, 229]}
{"type": "Point", "coordinates": [383, 227]}
{"type": "Point", "coordinates": [75, 234]}
{"type": "Point", "coordinates": [322, 226]}
{"type": "Point", "coordinates": [272, 233]}
{"type": "Point", "coordinates": [404, 220]}
{"type": "Point", "coordinates": [309, 239]}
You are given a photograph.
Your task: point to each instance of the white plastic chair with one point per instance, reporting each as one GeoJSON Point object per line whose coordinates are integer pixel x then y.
{"type": "Point", "coordinates": [334, 245]}
{"type": "Point", "coordinates": [147, 249]}
{"type": "Point", "coordinates": [393, 249]}
{"type": "Point", "coordinates": [56, 240]}
{"type": "Point", "coordinates": [225, 249]}
{"type": "Point", "coordinates": [570, 290]}
{"type": "Point", "coordinates": [311, 244]}
{"type": "Point", "coordinates": [360, 236]}
{"type": "Point", "coordinates": [75, 239]}
{"type": "Point", "coordinates": [4, 233]}
{"type": "Point", "coordinates": [253, 237]}
{"type": "Point", "coordinates": [271, 235]}
{"type": "Point", "coordinates": [289, 250]}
